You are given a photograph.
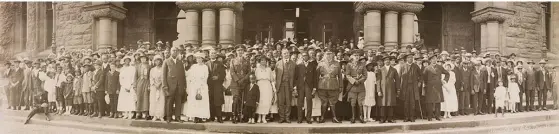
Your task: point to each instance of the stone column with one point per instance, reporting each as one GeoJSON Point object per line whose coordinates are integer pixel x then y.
{"type": "Point", "coordinates": [226, 30]}
{"type": "Point", "coordinates": [239, 27]}
{"type": "Point", "coordinates": [192, 27]}
{"type": "Point", "coordinates": [391, 30]}
{"type": "Point", "coordinates": [407, 29]}
{"type": "Point", "coordinates": [114, 27]}
{"type": "Point", "coordinates": [483, 37]}
{"type": "Point", "coordinates": [105, 32]}
{"type": "Point", "coordinates": [493, 40]}
{"type": "Point", "coordinates": [208, 28]}
{"type": "Point", "coordinates": [372, 30]}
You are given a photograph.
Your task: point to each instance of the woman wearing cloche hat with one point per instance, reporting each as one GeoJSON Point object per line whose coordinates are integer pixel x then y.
{"type": "Point", "coordinates": [198, 90]}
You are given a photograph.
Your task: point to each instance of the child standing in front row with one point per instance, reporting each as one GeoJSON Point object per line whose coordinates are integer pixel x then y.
{"type": "Point", "coordinates": [514, 90]}
{"type": "Point", "coordinates": [500, 98]}
{"type": "Point", "coordinates": [251, 99]}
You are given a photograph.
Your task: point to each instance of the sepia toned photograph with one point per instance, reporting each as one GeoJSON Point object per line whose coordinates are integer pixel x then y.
{"type": "Point", "coordinates": [288, 67]}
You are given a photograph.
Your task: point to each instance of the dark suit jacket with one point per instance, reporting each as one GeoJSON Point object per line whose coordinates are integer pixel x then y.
{"type": "Point", "coordinates": [98, 80]}
{"type": "Point", "coordinates": [531, 79]}
{"type": "Point", "coordinates": [174, 81]}
{"type": "Point", "coordinates": [216, 88]}
{"type": "Point", "coordinates": [433, 84]}
{"type": "Point", "coordinates": [547, 83]}
{"type": "Point", "coordinates": [252, 96]}
{"type": "Point", "coordinates": [112, 82]}
{"type": "Point", "coordinates": [410, 79]}
{"type": "Point", "coordinates": [493, 80]}
{"type": "Point", "coordinates": [388, 82]}
{"type": "Point", "coordinates": [481, 80]}
{"type": "Point", "coordinates": [504, 76]}
{"type": "Point", "coordinates": [467, 78]}
{"type": "Point", "coordinates": [282, 69]}
{"type": "Point", "coordinates": [458, 72]}
{"type": "Point", "coordinates": [306, 75]}
{"type": "Point", "coordinates": [16, 76]}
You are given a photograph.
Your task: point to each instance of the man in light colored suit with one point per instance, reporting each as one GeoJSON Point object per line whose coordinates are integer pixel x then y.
{"type": "Point", "coordinates": [285, 72]}
{"type": "Point", "coordinates": [173, 85]}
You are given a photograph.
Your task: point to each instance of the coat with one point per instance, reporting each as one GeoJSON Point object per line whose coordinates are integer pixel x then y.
{"type": "Point", "coordinates": [530, 79]}
{"type": "Point", "coordinates": [306, 75]}
{"type": "Point", "coordinates": [410, 79]}
{"type": "Point", "coordinates": [252, 96]}
{"type": "Point", "coordinates": [27, 83]}
{"type": "Point", "coordinates": [458, 73]}
{"type": "Point", "coordinates": [173, 77]}
{"type": "Point", "coordinates": [240, 70]}
{"type": "Point", "coordinates": [98, 80]}
{"type": "Point", "coordinates": [466, 79]}
{"type": "Point", "coordinates": [286, 69]}
{"type": "Point", "coordinates": [544, 84]}
{"type": "Point", "coordinates": [388, 82]}
{"type": "Point", "coordinates": [216, 88]}
{"type": "Point", "coordinates": [503, 75]}
{"type": "Point", "coordinates": [112, 83]}
{"type": "Point", "coordinates": [329, 76]}
{"type": "Point", "coordinates": [358, 72]}
{"type": "Point", "coordinates": [433, 83]}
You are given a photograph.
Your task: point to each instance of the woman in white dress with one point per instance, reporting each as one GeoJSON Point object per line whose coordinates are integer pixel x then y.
{"type": "Point", "coordinates": [450, 103]}
{"type": "Point", "coordinates": [369, 92]}
{"type": "Point", "coordinates": [156, 96]}
{"type": "Point", "coordinates": [264, 77]}
{"type": "Point", "coordinates": [197, 81]}
{"type": "Point", "coordinates": [127, 94]}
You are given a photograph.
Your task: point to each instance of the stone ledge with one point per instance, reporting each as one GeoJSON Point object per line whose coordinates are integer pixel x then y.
{"type": "Point", "coordinates": [105, 10]}
{"type": "Point", "coordinates": [237, 6]}
{"type": "Point", "coordinates": [491, 14]}
{"type": "Point", "coordinates": [414, 7]}
{"type": "Point", "coordinates": [134, 126]}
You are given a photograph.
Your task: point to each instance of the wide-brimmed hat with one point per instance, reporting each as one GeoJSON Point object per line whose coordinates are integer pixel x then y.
{"type": "Point", "coordinates": [157, 57]}
{"type": "Point", "coordinates": [200, 54]}
{"type": "Point", "coordinates": [543, 61]}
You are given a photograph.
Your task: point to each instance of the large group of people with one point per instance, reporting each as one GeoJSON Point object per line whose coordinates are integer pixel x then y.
{"type": "Point", "coordinates": [277, 81]}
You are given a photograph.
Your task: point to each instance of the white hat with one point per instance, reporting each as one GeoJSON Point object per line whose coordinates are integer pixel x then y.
{"type": "Point", "coordinates": [159, 42]}
{"type": "Point", "coordinates": [444, 52]}
{"type": "Point", "coordinates": [200, 54]}
{"type": "Point", "coordinates": [156, 57]}
{"type": "Point", "coordinates": [126, 57]}
{"type": "Point", "coordinates": [147, 42]}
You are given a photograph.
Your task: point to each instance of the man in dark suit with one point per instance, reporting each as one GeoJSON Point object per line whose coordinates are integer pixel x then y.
{"type": "Point", "coordinates": [285, 72]}
{"type": "Point", "coordinates": [491, 85]}
{"type": "Point", "coordinates": [433, 85]}
{"type": "Point", "coordinates": [544, 84]}
{"type": "Point", "coordinates": [410, 79]}
{"type": "Point", "coordinates": [173, 85]}
{"type": "Point", "coordinates": [503, 73]}
{"type": "Point", "coordinates": [306, 82]}
{"type": "Point", "coordinates": [462, 74]}
{"type": "Point", "coordinates": [15, 75]}
{"type": "Point", "coordinates": [531, 85]}
{"type": "Point", "coordinates": [112, 86]}
{"type": "Point", "coordinates": [98, 84]}
{"type": "Point", "coordinates": [479, 86]}
{"type": "Point", "coordinates": [240, 70]}
{"type": "Point", "coordinates": [387, 89]}
{"type": "Point", "coordinates": [215, 85]}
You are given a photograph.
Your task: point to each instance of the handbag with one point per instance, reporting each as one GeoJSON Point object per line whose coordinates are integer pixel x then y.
{"type": "Point", "coordinates": [198, 95]}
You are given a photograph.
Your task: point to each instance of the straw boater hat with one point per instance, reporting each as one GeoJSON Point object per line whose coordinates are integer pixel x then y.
{"type": "Point", "coordinates": [158, 57]}
{"type": "Point", "coordinates": [126, 57]}
{"type": "Point", "coordinates": [542, 61]}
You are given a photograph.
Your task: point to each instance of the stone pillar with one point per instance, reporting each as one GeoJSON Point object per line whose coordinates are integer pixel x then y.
{"type": "Point", "coordinates": [106, 28]}
{"type": "Point", "coordinates": [105, 33]}
{"type": "Point", "coordinates": [493, 39]}
{"type": "Point", "coordinates": [391, 29]}
{"type": "Point", "coordinates": [239, 27]}
{"type": "Point", "coordinates": [36, 30]}
{"type": "Point", "coordinates": [483, 37]}
{"type": "Point", "coordinates": [226, 30]}
{"type": "Point", "coordinates": [407, 33]}
{"type": "Point", "coordinates": [7, 23]}
{"type": "Point", "coordinates": [114, 27]}
{"type": "Point", "coordinates": [372, 30]}
{"type": "Point", "coordinates": [192, 27]}
{"type": "Point", "coordinates": [208, 28]}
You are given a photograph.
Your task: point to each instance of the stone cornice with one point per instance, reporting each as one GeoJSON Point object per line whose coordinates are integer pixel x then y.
{"type": "Point", "coordinates": [106, 10]}
{"type": "Point", "coordinates": [491, 14]}
{"type": "Point", "coordinates": [414, 7]}
{"type": "Point", "coordinates": [185, 5]}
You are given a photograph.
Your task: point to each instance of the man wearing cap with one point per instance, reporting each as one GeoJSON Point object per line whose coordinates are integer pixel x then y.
{"type": "Point", "coordinates": [356, 74]}
{"type": "Point", "coordinates": [240, 70]}
{"type": "Point", "coordinates": [531, 85]}
{"type": "Point", "coordinates": [329, 84]}
{"type": "Point", "coordinates": [433, 87]}
{"type": "Point", "coordinates": [16, 78]}
{"type": "Point", "coordinates": [410, 80]}
{"type": "Point", "coordinates": [285, 72]}
{"type": "Point", "coordinates": [215, 85]}
{"type": "Point", "coordinates": [388, 86]}
{"type": "Point", "coordinates": [173, 85]}
{"type": "Point", "coordinates": [544, 84]}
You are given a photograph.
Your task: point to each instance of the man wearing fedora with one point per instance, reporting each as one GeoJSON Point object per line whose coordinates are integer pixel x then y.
{"type": "Point", "coordinates": [531, 85]}
{"type": "Point", "coordinates": [544, 84]}
{"type": "Point", "coordinates": [16, 77]}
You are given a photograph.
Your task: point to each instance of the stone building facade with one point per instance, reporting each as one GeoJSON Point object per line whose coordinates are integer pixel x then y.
{"type": "Point", "coordinates": [525, 28]}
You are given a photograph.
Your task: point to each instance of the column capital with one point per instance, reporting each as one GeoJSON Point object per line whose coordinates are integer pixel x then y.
{"type": "Point", "coordinates": [185, 5]}
{"type": "Point", "coordinates": [105, 10]}
{"type": "Point", "coordinates": [414, 7]}
{"type": "Point", "coordinates": [491, 14]}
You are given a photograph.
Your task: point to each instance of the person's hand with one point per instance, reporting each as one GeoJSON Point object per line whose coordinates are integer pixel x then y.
{"type": "Point", "coordinates": [379, 94]}
{"type": "Point", "coordinates": [443, 81]}
{"type": "Point", "coordinates": [214, 77]}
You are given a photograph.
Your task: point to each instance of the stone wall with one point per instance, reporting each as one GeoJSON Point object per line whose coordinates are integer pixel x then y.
{"type": "Point", "coordinates": [7, 26]}
{"type": "Point", "coordinates": [523, 30]}
{"type": "Point", "coordinates": [73, 29]}
{"type": "Point", "coordinates": [139, 23]}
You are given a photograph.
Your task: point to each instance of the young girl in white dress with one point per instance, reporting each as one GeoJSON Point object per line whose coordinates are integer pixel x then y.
{"type": "Point", "coordinates": [514, 90]}
{"type": "Point", "coordinates": [500, 98]}
{"type": "Point", "coordinates": [127, 94]}
{"type": "Point", "coordinates": [369, 92]}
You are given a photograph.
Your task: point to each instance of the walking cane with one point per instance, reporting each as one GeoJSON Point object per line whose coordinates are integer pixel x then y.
{"type": "Point", "coordinates": [420, 110]}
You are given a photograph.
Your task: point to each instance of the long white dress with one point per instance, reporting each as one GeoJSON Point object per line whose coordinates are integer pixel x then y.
{"type": "Point", "coordinates": [450, 103]}
{"type": "Point", "coordinates": [197, 82]}
{"type": "Point", "coordinates": [370, 89]}
{"type": "Point", "coordinates": [127, 100]}
{"type": "Point", "coordinates": [514, 91]}
{"type": "Point", "coordinates": [228, 99]}
{"type": "Point", "coordinates": [156, 94]}
{"type": "Point", "coordinates": [264, 77]}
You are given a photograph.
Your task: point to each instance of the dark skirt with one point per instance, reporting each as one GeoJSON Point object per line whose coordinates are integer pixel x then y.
{"type": "Point", "coordinates": [59, 94]}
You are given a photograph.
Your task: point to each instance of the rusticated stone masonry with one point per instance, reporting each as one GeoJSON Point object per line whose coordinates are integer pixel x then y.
{"type": "Point", "coordinates": [73, 30]}
{"type": "Point", "coordinates": [523, 32]}
{"type": "Point", "coordinates": [7, 26]}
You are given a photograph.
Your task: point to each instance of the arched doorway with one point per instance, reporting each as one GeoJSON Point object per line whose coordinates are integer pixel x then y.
{"type": "Point", "coordinates": [447, 26]}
